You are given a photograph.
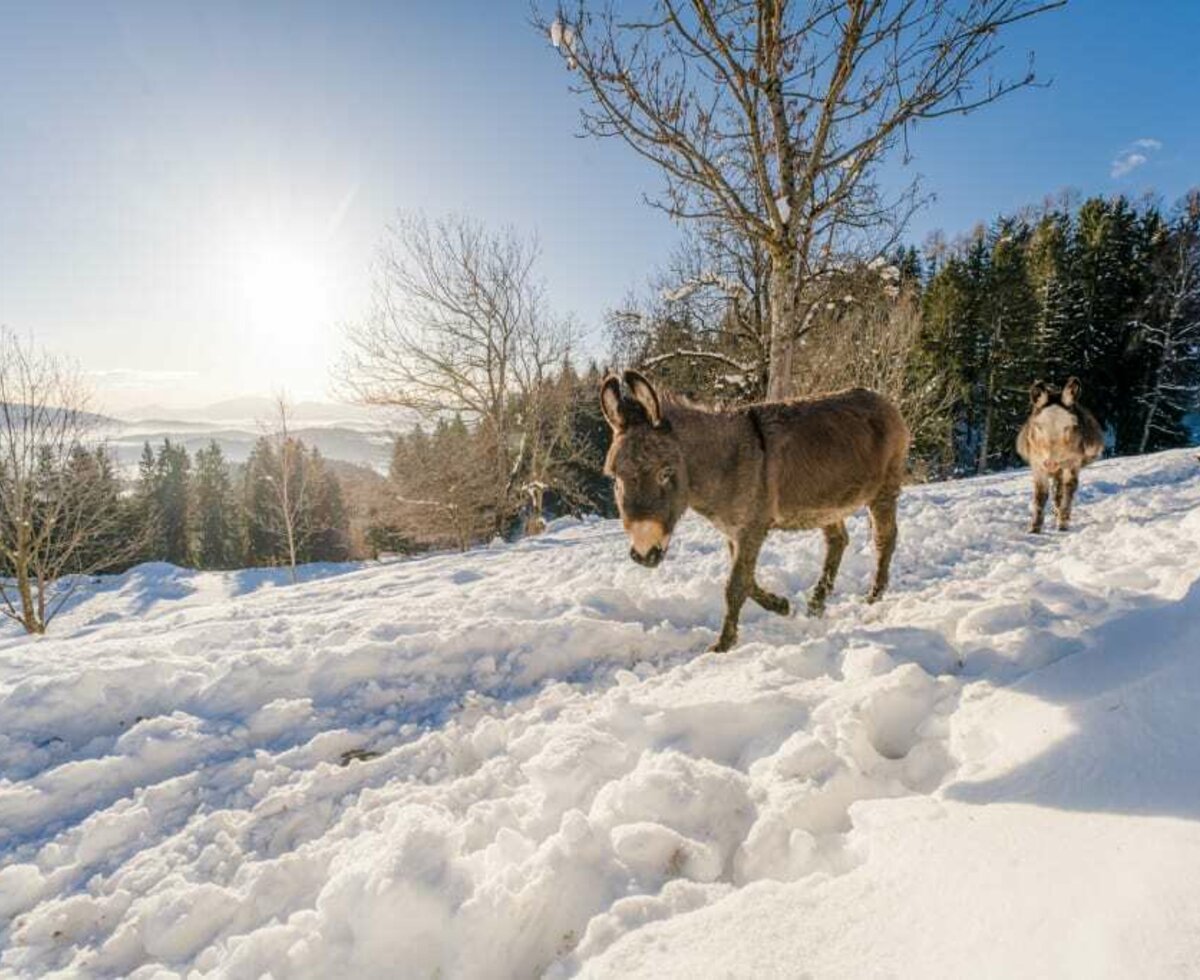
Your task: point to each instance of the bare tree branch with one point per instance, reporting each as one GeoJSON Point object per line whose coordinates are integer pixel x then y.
{"type": "Point", "coordinates": [772, 117]}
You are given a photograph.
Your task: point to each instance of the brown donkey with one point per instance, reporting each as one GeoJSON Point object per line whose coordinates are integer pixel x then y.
{"type": "Point", "coordinates": [792, 465]}
{"type": "Point", "coordinates": [1059, 438]}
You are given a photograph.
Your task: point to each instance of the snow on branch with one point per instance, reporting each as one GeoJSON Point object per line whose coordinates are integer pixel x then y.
{"type": "Point", "coordinates": [697, 355]}
{"type": "Point", "coordinates": [689, 287]}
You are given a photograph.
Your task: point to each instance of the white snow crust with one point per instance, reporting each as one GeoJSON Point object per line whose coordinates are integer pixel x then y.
{"type": "Point", "coordinates": [518, 762]}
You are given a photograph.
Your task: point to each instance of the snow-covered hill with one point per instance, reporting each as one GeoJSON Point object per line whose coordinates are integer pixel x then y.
{"type": "Point", "coordinates": [519, 762]}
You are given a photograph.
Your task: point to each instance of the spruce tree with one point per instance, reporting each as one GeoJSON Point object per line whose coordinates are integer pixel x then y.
{"type": "Point", "coordinates": [327, 520]}
{"type": "Point", "coordinates": [263, 537]}
{"type": "Point", "coordinates": [1011, 314]}
{"type": "Point", "coordinates": [174, 504]}
{"type": "Point", "coordinates": [214, 511]}
{"type": "Point", "coordinates": [146, 506]}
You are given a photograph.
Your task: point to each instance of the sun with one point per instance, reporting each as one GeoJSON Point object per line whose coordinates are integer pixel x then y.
{"type": "Point", "coordinates": [285, 289]}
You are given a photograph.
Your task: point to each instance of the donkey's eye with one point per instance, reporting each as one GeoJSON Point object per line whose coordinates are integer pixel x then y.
{"type": "Point", "coordinates": [665, 475]}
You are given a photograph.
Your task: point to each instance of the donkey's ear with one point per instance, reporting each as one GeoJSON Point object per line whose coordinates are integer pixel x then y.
{"type": "Point", "coordinates": [610, 402]}
{"type": "Point", "coordinates": [1039, 394]}
{"type": "Point", "coordinates": [644, 394]}
{"type": "Point", "coordinates": [1071, 391]}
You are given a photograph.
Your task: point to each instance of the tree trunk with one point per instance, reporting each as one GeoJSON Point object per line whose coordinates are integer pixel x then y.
{"type": "Point", "coordinates": [985, 439]}
{"type": "Point", "coordinates": [783, 327]}
{"type": "Point", "coordinates": [30, 619]}
{"type": "Point", "coordinates": [1151, 411]}
{"type": "Point", "coordinates": [537, 503]}
{"type": "Point", "coordinates": [22, 573]}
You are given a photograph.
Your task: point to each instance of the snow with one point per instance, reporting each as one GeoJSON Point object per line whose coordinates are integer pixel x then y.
{"type": "Point", "coordinates": [518, 762]}
{"type": "Point", "coordinates": [689, 287]}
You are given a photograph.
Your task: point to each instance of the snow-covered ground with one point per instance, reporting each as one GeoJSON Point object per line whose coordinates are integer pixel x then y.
{"type": "Point", "coordinates": [519, 762]}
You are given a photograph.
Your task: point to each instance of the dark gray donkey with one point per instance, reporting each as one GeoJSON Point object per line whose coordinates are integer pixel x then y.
{"type": "Point", "coordinates": [793, 465]}
{"type": "Point", "coordinates": [1059, 438]}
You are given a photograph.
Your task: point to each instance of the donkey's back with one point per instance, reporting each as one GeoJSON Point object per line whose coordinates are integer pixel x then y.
{"type": "Point", "coordinates": [831, 454]}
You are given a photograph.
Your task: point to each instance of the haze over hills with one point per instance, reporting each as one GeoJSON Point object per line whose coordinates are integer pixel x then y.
{"type": "Point", "coordinates": [252, 408]}
{"type": "Point", "coordinates": [350, 433]}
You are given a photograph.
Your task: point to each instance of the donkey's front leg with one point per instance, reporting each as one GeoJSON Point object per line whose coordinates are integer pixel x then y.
{"type": "Point", "coordinates": [1041, 493]}
{"type": "Point", "coordinates": [768, 600]}
{"type": "Point", "coordinates": [744, 549]}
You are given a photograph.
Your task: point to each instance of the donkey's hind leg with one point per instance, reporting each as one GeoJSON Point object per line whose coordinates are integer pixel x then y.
{"type": "Point", "coordinates": [1064, 496]}
{"type": "Point", "coordinates": [883, 523]}
{"type": "Point", "coordinates": [836, 540]}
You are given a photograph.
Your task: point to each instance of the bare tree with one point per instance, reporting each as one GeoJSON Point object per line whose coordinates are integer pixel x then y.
{"type": "Point", "coordinates": [772, 117]}
{"type": "Point", "coordinates": [551, 454]}
{"type": "Point", "coordinates": [55, 505]}
{"type": "Point", "coordinates": [704, 326]}
{"type": "Point", "coordinates": [289, 481]}
{"type": "Point", "coordinates": [461, 326]}
{"type": "Point", "coordinates": [870, 337]}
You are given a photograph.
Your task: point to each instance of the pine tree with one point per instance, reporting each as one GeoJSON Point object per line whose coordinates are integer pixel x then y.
{"type": "Point", "coordinates": [1050, 276]}
{"type": "Point", "coordinates": [174, 504]}
{"type": "Point", "coordinates": [327, 521]}
{"type": "Point", "coordinates": [1010, 312]}
{"type": "Point", "coordinates": [263, 538]}
{"type": "Point", "coordinates": [1113, 270]}
{"type": "Point", "coordinates": [92, 481]}
{"type": "Point", "coordinates": [146, 496]}
{"type": "Point", "coordinates": [214, 510]}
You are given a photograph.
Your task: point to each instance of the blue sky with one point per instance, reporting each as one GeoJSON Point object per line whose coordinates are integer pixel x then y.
{"type": "Point", "coordinates": [166, 167]}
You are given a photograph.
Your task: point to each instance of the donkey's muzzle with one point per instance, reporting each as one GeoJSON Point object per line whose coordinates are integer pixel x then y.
{"type": "Point", "coordinates": [651, 559]}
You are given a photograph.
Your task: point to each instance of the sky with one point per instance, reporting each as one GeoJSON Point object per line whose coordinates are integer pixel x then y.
{"type": "Point", "coordinates": [191, 194]}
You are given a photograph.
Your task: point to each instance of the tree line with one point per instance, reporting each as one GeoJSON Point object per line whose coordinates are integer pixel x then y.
{"type": "Point", "coordinates": [1107, 289]}
{"type": "Point", "coordinates": [442, 493]}
{"type": "Point", "coordinates": [201, 512]}
{"type": "Point", "coordinates": [67, 513]}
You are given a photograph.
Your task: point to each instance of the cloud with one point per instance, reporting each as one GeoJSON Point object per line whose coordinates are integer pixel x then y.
{"type": "Point", "coordinates": [136, 378]}
{"type": "Point", "coordinates": [1133, 156]}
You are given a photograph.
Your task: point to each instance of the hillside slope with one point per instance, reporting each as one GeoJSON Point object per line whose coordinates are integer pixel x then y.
{"type": "Point", "coordinates": [519, 761]}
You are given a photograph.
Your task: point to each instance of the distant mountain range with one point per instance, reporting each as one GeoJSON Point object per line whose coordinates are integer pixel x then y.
{"type": "Point", "coordinates": [252, 409]}
{"type": "Point", "coordinates": [349, 433]}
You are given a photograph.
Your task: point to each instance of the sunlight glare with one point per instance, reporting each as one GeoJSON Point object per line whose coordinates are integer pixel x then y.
{"type": "Point", "coordinates": [285, 288]}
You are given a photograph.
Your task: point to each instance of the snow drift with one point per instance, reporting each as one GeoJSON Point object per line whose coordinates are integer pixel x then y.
{"type": "Point", "coordinates": [517, 762]}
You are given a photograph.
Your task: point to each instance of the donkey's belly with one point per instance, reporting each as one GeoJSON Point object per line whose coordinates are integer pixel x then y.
{"type": "Point", "coordinates": [807, 519]}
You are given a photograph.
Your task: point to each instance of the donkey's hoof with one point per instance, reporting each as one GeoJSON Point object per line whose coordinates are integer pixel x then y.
{"type": "Point", "coordinates": [874, 596]}
{"type": "Point", "coordinates": [1035, 529]}
{"type": "Point", "coordinates": [777, 604]}
{"type": "Point", "coordinates": [722, 645]}
{"type": "Point", "coordinates": [816, 607]}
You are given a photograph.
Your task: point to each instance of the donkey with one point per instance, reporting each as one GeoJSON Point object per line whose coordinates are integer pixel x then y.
{"type": "Point", "coordinates": [1059, 438]}
{"type": "Point", "coordinates": [792, 465]}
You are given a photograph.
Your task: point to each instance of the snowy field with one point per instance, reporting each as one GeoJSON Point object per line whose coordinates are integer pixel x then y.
{"type": "Point", "coordinates": [520, 762]}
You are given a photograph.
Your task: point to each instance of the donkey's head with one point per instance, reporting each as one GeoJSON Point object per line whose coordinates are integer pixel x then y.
{"type": "Point", "coordinates": [646, 464]}
{"type": "Point", "coordinates": [1054, 431]}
